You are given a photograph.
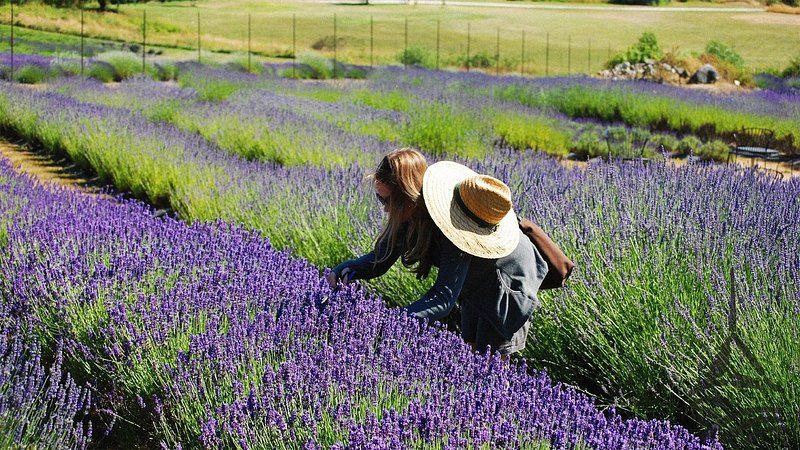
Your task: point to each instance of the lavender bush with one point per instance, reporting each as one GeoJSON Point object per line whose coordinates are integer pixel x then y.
{"type": "Point", "coordinates": [648, 317]}
{"type": "Point", "coordinates": [227, 342]}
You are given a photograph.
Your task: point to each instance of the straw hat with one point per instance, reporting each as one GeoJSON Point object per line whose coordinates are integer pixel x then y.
{"type": "Point", "coordinates": [474, 211]}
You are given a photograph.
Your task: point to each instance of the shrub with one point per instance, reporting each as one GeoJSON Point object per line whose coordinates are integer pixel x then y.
{"type": "Point", "coordinates": [125, 64]}
{"type": "Point", "coordinates": [317, 67]}
{"type": "Point", "coordinates": [166, 71]}
{"type": "Point", "coordinates": [687, 145]}
{"type": "Point", "coordinates": [102, 71]}
{"type": "Point", "coordinates": [664, 143]}
{"type": "Point", "coordinates": [328, 43]}
{"type": "Point", "coordinates": [353, 72]}
{"type": "Point", "coordinates": [646, 48]}
{"type": "Point", "coordinates": [724, 53]}
{"type": "Point", "coordinates": [320, 67]}
{"type": "Point", "coordinates": [416, 56]}
{"type": "Point", "coordinates": [310, 66]}
{"type": "Point", "coordinates": [480, 60]}
{"type": "Point", "coordinates": [713, 151]}
{"type": "Point", "coordinates": [66, 64]}
{"type": "Point", "coordinates": [30, 74]}
{"type": "Point", "coordinates": [728, 71]}
{"type": "Point", "coordinates": [243, 64]}
{"type": "Point", "coordinates": [588, 145]}
{"type": "Point", "coordinates": [622, 142]}
{"type": "Point", "coordinates": [793, 69]}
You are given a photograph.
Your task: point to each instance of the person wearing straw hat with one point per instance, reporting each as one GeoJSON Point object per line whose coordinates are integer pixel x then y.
{"type": "Point", "coordinates": [485, 262]}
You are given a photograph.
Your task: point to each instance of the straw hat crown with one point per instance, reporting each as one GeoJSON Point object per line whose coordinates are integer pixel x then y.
{"type": "Point", "coordinates": [486, 197]}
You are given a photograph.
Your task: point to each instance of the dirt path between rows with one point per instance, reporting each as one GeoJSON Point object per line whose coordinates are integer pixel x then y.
{"type": "Point", "coordinates": [41, 166]}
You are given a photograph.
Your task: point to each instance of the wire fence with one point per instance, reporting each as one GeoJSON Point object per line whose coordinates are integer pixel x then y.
{"type": "Point", "coordinates": [429, 43]}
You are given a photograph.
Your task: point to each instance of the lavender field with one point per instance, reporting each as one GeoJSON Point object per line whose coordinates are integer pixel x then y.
{"type": "Point", "coordinates": [212, 327]}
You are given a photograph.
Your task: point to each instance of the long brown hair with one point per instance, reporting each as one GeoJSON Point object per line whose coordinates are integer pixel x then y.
{"type": "Point", "coordinates": [402, 170]}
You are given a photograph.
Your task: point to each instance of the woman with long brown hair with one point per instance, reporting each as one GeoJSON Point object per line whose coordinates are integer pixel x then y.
{"type": "Point", "coordinates": [462, 222]}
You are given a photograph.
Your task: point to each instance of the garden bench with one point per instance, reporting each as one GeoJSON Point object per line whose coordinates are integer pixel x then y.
{"type": "Point", "coordinates": [755, 143]}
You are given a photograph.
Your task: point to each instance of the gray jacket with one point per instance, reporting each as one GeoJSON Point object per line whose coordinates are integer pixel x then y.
{"type": "Point", "coordinates": [504, 290]}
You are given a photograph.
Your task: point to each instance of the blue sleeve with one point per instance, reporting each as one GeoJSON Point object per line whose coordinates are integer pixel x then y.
{"type": "Point", "coordinates": [366, 267]}
{"type": "Point", "coordinates": [441, 297]}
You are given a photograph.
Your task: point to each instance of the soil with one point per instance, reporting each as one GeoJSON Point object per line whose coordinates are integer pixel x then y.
{"type": "Point", "coordinates": [42, 167]}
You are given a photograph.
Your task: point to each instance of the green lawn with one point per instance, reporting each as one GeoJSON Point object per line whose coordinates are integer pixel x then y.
{"type": "Point", "coordinates": [557, 41]}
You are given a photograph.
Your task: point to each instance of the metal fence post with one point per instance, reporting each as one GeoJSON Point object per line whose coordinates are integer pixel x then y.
{"type": "Point", "coordinates": [438, 23]}
{"type": "Point", "coordinates": [547, 56]}
{"type": "Point", "coordinates": [12, 40]}
{"type": "Point", "coordinates": [468, 35]}
{"type": "Point", "coordinates": [144, 38]}
{"type": "Point", "coordinates": [497, 53]}
{"type": "Point", "coordinates": [371, 42]}
{"type": "Point", "coordinates": [405, 46]}
{"type": "Point", "coordinates": [334, 45]}
{"type": "Point", "coordinates": [569, 54]}
{"type": "Point", "coordinates": [198, 37]}
{"type": "Point", "coordinates": [82, 46]}
{"type": "Point", "coordinates": [294, 42]}
{"type": "Point", "coordinates": [522, 58]}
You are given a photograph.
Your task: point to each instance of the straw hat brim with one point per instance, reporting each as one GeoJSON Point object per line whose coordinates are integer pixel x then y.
{"type": "Point", "coordinates": [437, 189]}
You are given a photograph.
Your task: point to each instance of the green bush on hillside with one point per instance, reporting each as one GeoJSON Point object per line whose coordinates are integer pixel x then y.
{"type": "Point", "coordinates": [645, 48]}
{"type": "Point", "coordinates": [480, 60]}
{"type": "Point", "coordinates": [793, 70]}
{"type": "Point", "coordinates": [328, 43]}
{"type": "Point", "coordinates": [724, 53]}
{"type": "Point", "coordinates": [416, 56]}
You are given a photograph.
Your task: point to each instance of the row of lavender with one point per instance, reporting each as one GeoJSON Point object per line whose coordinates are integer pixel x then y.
{"type": "Point", "coordinates": [208, 337]}
{"type": "Point", "coordinates": [467, 115]}
{"type": "Point", "coordinates": [649, 320]}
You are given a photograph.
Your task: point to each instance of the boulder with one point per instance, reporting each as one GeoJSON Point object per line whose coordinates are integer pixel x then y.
{"type": "Point", "coordinates": [706, 74]}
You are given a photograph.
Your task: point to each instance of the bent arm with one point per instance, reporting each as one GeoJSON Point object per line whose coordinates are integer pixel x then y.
{"type": "Point", "coordinates": [368, 266]}
{"type": "Point", "coordinates": [441, 297]}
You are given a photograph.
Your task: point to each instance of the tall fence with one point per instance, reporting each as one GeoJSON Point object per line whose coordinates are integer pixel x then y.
{"type": "Point", "coordinates": [429, 43]}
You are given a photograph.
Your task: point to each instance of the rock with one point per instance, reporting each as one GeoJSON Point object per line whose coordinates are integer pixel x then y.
{"type": "Point", "coordinates": [706, 74]}
{"type": "Point", "coordinates": [648, 70]}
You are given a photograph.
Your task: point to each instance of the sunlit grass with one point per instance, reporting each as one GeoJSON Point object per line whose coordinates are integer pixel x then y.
{"type": "Point", "coordinates": [556, 41]}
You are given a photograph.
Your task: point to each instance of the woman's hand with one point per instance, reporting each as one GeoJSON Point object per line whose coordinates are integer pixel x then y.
{"type": "Point", "coordinates": [333, 279]}
{"type": "Point", "coordinates": [345, 277]}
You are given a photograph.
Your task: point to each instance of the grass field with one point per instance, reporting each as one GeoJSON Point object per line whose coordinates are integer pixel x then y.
{"type": "Point", "coordinates": [556, 41]}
